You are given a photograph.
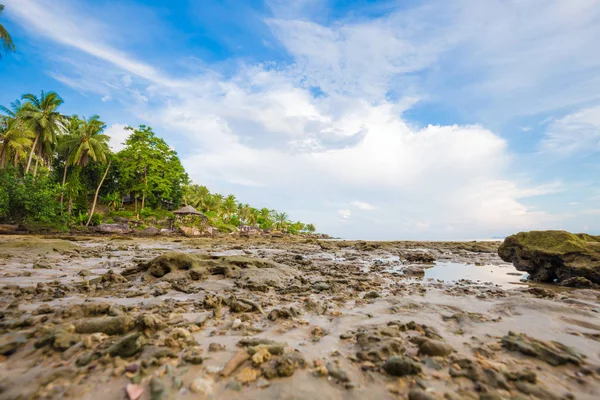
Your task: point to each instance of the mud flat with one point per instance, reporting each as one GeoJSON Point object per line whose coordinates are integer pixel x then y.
{"type": "Point", "coordinates": [165, 318]}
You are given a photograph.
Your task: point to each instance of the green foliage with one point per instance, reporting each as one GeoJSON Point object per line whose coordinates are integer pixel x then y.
{"type": "Point", "coordinates": [96, 219]}
{"type": "Point", "coordinates": [150, 169]}
{"type": "Point", "coordinates": [29, 199]}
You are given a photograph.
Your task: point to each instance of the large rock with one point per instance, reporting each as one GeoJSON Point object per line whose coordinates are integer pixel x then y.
{"type": "Point", "coordinates": [112, 228]}
{"type": "Point", "coordinates": [554, 255]}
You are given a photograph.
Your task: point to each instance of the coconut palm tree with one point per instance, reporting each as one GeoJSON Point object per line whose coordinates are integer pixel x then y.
{"type": "Point", "coordinates": [15, 138]}
{"type": "Point", "coordinates": [5, 39]}
{"type": "Point", "coordinates": [229, 206]}
{"type": "Point", "coordinates": [91, 144]}
{"type": "Point", "coordinates": [281, 221]}
{"type": "Point", "coordinates": [45, 121]}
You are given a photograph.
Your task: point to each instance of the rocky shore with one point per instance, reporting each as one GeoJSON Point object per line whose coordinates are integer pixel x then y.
{"type": "Point", "coordinates": [117, 317]}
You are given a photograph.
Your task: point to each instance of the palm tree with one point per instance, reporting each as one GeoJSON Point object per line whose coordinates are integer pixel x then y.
{"type": "Point", "coordinates": [282, 219]}
{"type": "Point", "coordinates": [230, 206]}
{"type": "Point", "coordinates": [90, 143]}
{"type": "Point", "coordinates": [45, 121]}
{"type": "Point", "coordinates": [14, 135]}
{"type": "Point", "coordinates": [15, 140]}
{"type": "Point", "coordinates": [5, 39]}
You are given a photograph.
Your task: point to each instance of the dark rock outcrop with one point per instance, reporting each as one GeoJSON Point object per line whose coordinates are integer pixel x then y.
{"type": "Point", "coordinates": [112, 228]}
{"type": "Point", "coordinates": [550, 256]}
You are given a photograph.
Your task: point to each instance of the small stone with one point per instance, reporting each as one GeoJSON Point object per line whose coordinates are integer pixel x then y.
{"type": "Point", "coordinates": [214, 347]}
{"type": "Point", "coordinates": [248, 375]}
{"type": "Point", "coordinates": [132, 368]}
{"type": "Point", "coordinates": [372, 295]}
{"type": "Point", "coordinates": [236, 323]}
{"type": "Point", "coordinates": [418, 394]}
{"type": "Point", "coordinates": [262, 383]}
{"type": "Point", "coordinates": [335, 372]}
{"type": "Point", "coordinates": [193, 356]}
{"type": "Point", "coordinates": [261, 356]}
{"type": "Point", "coordinates": [134, 392]}
{"type": "Point", "coordinates": [202, 386]}
{"type": "Point", "coordinates": [234, 385]}
{"type": "Point", "coordinates": [435, 348]}
{"type": "Point", "coordinates": [157, 388]}
{"type": "Point", "coordinates": [401, 366]}
{"type": "Point", "coordinates": [237, 360]}
{"type": "Point", "coordinates": [213, 369]}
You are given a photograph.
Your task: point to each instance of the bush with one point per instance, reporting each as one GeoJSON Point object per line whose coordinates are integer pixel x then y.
{"type": "Point", "coordinates": [96, 219]}
{"type": "Point", "coordinates": [30, 199]}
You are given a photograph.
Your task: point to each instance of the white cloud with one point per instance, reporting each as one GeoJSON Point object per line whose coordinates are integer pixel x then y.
{"type": "Point", "coordinates": [363, 205]}
{"type": "Point", "coordinates": [575, 133]}
{"type": "Point", "coordinates": [345, 214]}
{"type": "Point", "coordinates": [118, 134]}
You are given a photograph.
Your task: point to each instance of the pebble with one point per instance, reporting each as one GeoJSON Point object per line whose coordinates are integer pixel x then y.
{"type": "Point", "coordinates": [401, 366]}
{"type": "Point", "coordinates": [202, 386]}
{"type": "Point", "coordinates": [262, 383]}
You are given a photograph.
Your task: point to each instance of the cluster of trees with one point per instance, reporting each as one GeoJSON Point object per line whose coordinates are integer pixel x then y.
{"type": "Point", "coordinates": [55, 168]}
{"type": "Point", "coordinates": [228, 211]}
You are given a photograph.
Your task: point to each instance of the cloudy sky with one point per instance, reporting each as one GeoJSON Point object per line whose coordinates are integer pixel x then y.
{"type": "Point", "coordinates": [430, 119]}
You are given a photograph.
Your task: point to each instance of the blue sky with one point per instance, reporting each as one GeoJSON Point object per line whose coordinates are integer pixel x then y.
{"type": "Point", "coordinates": [425, 119]}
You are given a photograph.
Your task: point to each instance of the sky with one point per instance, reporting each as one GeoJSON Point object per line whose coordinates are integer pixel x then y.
{"type": "Point", "coordinates": [412, 119]}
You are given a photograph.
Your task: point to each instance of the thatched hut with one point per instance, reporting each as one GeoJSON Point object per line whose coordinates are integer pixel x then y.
{"type": "Point", "coordinates": [188, 211]}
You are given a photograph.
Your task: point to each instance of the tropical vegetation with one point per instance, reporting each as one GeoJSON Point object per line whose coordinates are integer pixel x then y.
{"type": "Point", "coordinates": [58, 170]}
{"type": "Point", "coordinates": [6, 41]}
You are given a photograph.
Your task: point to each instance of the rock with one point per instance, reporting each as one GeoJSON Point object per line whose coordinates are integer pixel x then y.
{"type": "Point", "coordinates": [554, 353]}
{"type": "Point", "coordinates": [202, 386]}
{"type": "Point", "coordinates": [247, 375]}
{"type": "Point", "coordinates": [435, 348]}
{"type": "Point", "coordinates": [64, 340]}
{"type": "Point", "coordinates": [42, 264]}
{"type": "Point", "coordinates": [134, 392]}
{"type": "Point", "coordinates": [418, 394]}
{"type": "Point", "coordinates": [320, 286]}
{"type": "Point", "coordinates": [261, 356]}
{"type": "Point", "coordinates": [554, 255]}
{"type": "Point", "coordinates": [193, 356]}
{"type": "Point", "coordinates": [237, 360]}
{"type": "Point", "coordinates": [286, 364]}
{"type": "Point", "coordinates": [372, 295]}
{"type": "Point", "coordinates": [234, 385]}
{"type": "Point", "coordinates": [579, 282]}
{"type": "Point", "coordinates": [127, 346]}
{"type": "Point", "coordinates": [165, 263]}
{"type": "Point", "coordinates": [149, 231]}
{"type": "Point", "coordinates": [335, 372]}
{"type": "Point", "coordinates": [157, 388]}
{"type": "Point", "coordinates": [112, 228]}
{"type": "Point", "coordinates": [262, 383]}
{"type": "Point", "coordinates": [418, 257]}
{"type": "Point", "coordinates": [214, 347]}
{"type": "Point", "coordinates": [10, 343]}
{"type": "Point", "coordinates": [283, 312]}
{"type": "Point", "coordinates": [401, 366]}
{"type": "Point", "coordinates": [108, 325]}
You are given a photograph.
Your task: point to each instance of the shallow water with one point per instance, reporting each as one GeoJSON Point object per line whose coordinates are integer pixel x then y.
{"type": "Point", "coordinates": [452, 271]}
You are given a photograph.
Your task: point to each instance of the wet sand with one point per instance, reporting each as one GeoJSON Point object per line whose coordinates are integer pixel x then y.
{"type": "Point", "coordinates": [348, 317]}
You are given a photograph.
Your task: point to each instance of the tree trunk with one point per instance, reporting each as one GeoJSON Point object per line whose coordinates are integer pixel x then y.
{"type": "Point", "coordinates": [37, 161]}
{"type": "Point", "coordinates": [62, 195]}
{"type": "Point", "coordinates": [31, 153]}
{"type": "Point", "coordinates": [145, 187]}
{"type": "Point", "coordinates": [2, 156]}
{"type": "Point", "coordinates": [16, 161]}
{"type": "Point", "coordinates": [97, 192]}
{"type": "Point", "coordinates": [70, 206]}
